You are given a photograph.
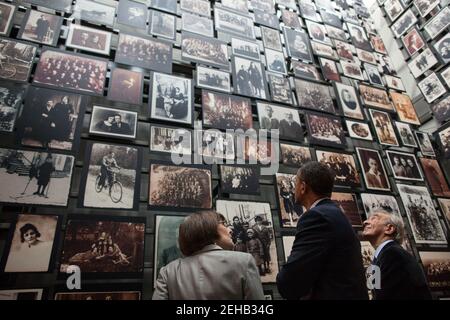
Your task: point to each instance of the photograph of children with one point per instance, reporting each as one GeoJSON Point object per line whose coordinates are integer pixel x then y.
{"type": "Point", "coordinates": [126, 86]}
{"type": "Point", "coordinates": [290, 211]}
{"type": "Point", "coordinates": [404, 166]}
{"type": "Point", "coordinates": [197, 24]}
{"type": "Point", "coordinates": [443, 138]}
{"type": "Point", "coordinates": [373, 170]}
{"type": "Point", "coordinates": [306, 71]}
{"type": "Point", "coordinates": [413, 41]}
{"type": "Point", "coordinates": [336, 33]}
{"type": "Point", "coordinates": [280, 89]}
{"type": "Point", "coordinates": [435, 177]}
{"type": "Point", "coordinates": [60, 5]}
{"type": "Point", "coordinates": [6, 13]}
{"type": "Point", "coordinates": [110, 177]}
{"type": "Point", "coordinates": [246, 49]}
{"type": "Point", "coordinates": [297, 44]}
{"type": "Point", "coordinates": [147, 53]}
{"type": "Point", "coordinates": [393, 9]}
{"type": "Point", "coordinates": [51, 119]}
{"type": "Point", "coordinates": [422, 62]}
{"type": "Point", "coordinates": [375, 97]}
{"type": "Point", "coordinates": [290, 19]}
{"type": "Point", "coordinates": [343, 165]}
{"type": "Point", "coordinates": [275, 61]}
{"type": "Point", "coordinates": [233, 23]}
{"type": "Point", "coordinates": [286, 120]}
{"type": "Point", "coordinates": [325, 130]}
{"type": "Point", "coordinates": [329, 69]}
{"type": "Point", "coordinates": [237, 5]}
{"type": "Point", "coordinates": [16, 60]}
{"type": "Point", "coordinates": [293, 155]}
{"type": "Point", "coordinates": [345, 50]}
{"type": "Point", "coordinates": [432, 88]}
{"type": "Point", "coordinates": [445, 206]}
{"type": "Point", "coordinates": [35, 178]}
{"type": "Point", "coordinates": [406, 21]}
{"type": "Point", "coordinates": [438, 23]}
{"type": "Point", "coordinates": [373, 75]}
{"type": "Point", "coordinates": [171, 98]}
{"type": "Point", "coordinates": [383, 128]}
{"type": "Point", "coordinates": [183, 187]}
{"type": "Point", "coordinates": [132, 14]}
{"type": "Point", "coordinates": [94, 12]}
{"type": "Point", "coordinates": [405, 133]}
{"type": "Point", "coordinates": [209, 51]}
{"type": "Point", "coordinates": [89, 39]}
{"type": "Point", "coordinates": [394, 83]}
{"type": "Point", "coordinates": [170, 140]}
{"type": "Point", "coordinates": [100, 244]}
{"type": "Point", "coordinates": [422, 216]}
{"type": "Point", "coordinates": [71, 71]}
{"type": "Point", "coordinates": [200, 7]}
{"type": "Point", "coordinates": [224, 111]}
{"type": "Point", "coordinates": [239, 179]}
{"type": "Point", "coordinates": [442, 48]}
{"type": "Point", "coordinates": [359, 130]}
{"type": "Point", "coordinates": [374, 202]}
{"type": "Point", "coordinates": [114, 123]}
{"type": "Point", "coordinates": [252, 231]}
{"type": "Point", "coordinates": [425, 144]}
{"type": "Point", "coordinates": [348, 101]}
{"type": "Point", "coordinates": [436, 265]}
{"type": "Point", "coordinates": [213, 144]}
{"type": "Point", "coordinates": [352, 70]}
{"type": "Point", "coordinates": [314, 96]}
{"type": "Point", "coordinates": [214, 79]}
{"type": "Point", "coordinates": [349, 206]}
{"type": "Point", "coordinates": [250, 79]}
{"type": "Point", "coordinates": [377, 44]}
{"type": "Point", "coordinates": [317, 32]}
{"type": "Point", "coordinates": [162, 25]}
{"type": "Point", "coordinates": [21, 294]}
{"type": "Point", "coordinates": [41, 28]}
{"type": "Point", "coordinates": [106, 296]}
{"type": "Point", "coordinates": [359, 37]}
{"type": "Point", "coordinates": [164, 5]}
{"type": "Point", "coordinates": [441, 109]}
{"type": "Point", "coordinates": [271, 39]}
{"type": "Point", "coordinates": [11, 96]}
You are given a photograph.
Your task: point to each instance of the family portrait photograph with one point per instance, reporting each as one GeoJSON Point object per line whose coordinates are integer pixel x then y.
{"type": "Point", "coordinates": [114, 123]}
{"type": "Point", "coordinates": [404, 166]}
{"type": "Point", "coordinates": [239, 179]}
{"type": "Point", "coordinates": [89, 39]}
{"type": "Point", "coordinates": [325, 130]}
{"type": "Point", "coordinates": [250, 78]}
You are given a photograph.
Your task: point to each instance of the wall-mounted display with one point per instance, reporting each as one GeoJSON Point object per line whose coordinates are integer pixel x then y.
{"type": "Point", "coordinates": [375, 97]}
{"type": "Point", "coordinates": [422, 62]}
{"type": "Point", "coordinates": [348, 101]}
{"type": "Point", "coordinates": [438, 23]}
{"type": "Point", "coordinates": [294, 155]}
{"type": "Point", "coordinates": [266, 19]}
{"type": "Point", "coordinates": [197, 24]}
{"type": "Point", "coordinates": [425, 144]}
{"type": "Point", "coordinates": [404, 166]}
{"type": "Point", "coordinates": [345, 50]}
{"type": "Point", "coordinates": [162, 25]}
{"type": "Point", "coordinates": [352, 70]}
{"type": "Point", "coordinates": [94, 12]}
{"type": "Point", "coordinates": [89, 39]}
{"type": "Point", "coordinates": [17, 60]}
{"type": "Point", "coordinates": [290, 19]}
{"type": "Point", "coordinates": [314, 96]}
{"type": "Point", "coordinates": [383, 128]}
{"type": "Point", "coordinates": [41, 28]}
{"type": "Point", "coordinates": [306, 71]}
{"type": "Point", "coordinates": [214, 79]}
{"type": "Point", "coordinates": [113, 123]}
{"type": "Point", "coordinates": [377, 44]}
{"type": "Point", "coordinates": [373, 202]}
{"type": "Point", "coordinates": [126, 86]}
{"type": "Point", "coordinates": [233, 23]}
{"type": "Point", "coordinates": [10, 103]}
{"type": "Point", "coordinates": [8, 14]}
{"type": "Point", "coordinates": [170, 140]}
{"type": "Point", "coordinates": [344, 167]}
{"type": "Point", "coordinates": [432, 88]}
{"type": "Point", "coordinates": [405, 108]}
{"type": "Point", "coordinates": [286, 120]}
{"type": "Point", "coordinates": [317, 32]}
{"type": "Point", "coordinates": [245, 49]}
{"type": "Point", "coordinates": [336, 33]}
{"type": "Point", "coordinates": [280, 89]}
{"type": "Point", "coordinates": [323, 50]}
{"type": "Point", "coordinates": [425, 7]}
{"type": "Point", "coordinates": [132, 14]}
{"type": "Point", "coordinates": [249, 78]}
{"type": "Point", "coordinates": [349, 206]}
{"type": "Point", "coordinates": [435, 177]}
{"type": "Point", "coordinates": [443, 139]}
{"type": "Point", "coordinates": [373, 170]}
{"type": "Point", "coordinates": [442, 48]}
{"type": "Point", "coordinates": [21, 294]}
{"type": "Point", "coordinates": [366, 56]}
{"type": "Point", "coordinates": [237, 5]}
{"type": "Point", "coordinates": [263, 5]}
{"type": "Point", "coordinates": [290, 211]}
{"type": "Point", "coordinates": [359, 37]}
{"type": "Point", "coordinates": [413, 41]}
{"type": "Point", "coordinates": [406, 135]}
{"type": "Point", "coordinates": [164, 5]}
{"type": "Point", "coordinates": [394, 83]}
{"type": "Point", "coordinates": [271, 39]}
{"type": "Point", "coordinates": [239, 179]}
{"type": "Point", "coordinates": [205, 50]}
{"type": "Point", "coordinates": [275, 61]}
{"type": "Point", "coordinates": [406, 21]}
{"type": "Point", "coordinates": [63, 5]}
{"type": "Point", "coordinates": [214, 145]}
{"type": "Point", "coordinates": [331, 18]}
{"type": "Point", "coordinates": [441, 109]}
{"type": "Point", "coordinates": [200, 7]}
{"type": "Point", "coordinates": [297, 44]}
{"type": "Point", "coordinates": [393, 9]}
{"type": "Point", "coordinates": [359, 130]}
{"type": "Point", "coordinates": [329, 69]}
{"type": "Point", "coordinates": [445, 206]}
{"type": "Point", "coordinates": [373, 75]}
{"type": "Point", "coordinates": [308, 10]}
{"type": "Point", "coordinates": [435, 264]}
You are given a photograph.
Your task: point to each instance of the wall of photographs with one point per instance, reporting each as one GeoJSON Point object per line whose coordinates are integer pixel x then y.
{"type": "Point", "coordinates": [99, 100]}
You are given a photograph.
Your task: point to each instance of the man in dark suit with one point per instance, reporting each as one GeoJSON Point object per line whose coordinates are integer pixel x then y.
{"type": "Point", "coordinates": [325, 261]}
{"type": "Point", "coordinates": [400, 275]}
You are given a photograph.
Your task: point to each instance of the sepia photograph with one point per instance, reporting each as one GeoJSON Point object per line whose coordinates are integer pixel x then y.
{"type": "Point", "coordinates": [425, 6]}
{"type": "Point", "coordinates": [306, 71]}
{"type": "Point", "coordinates": [179, 187]}
{"type": "Point", "coordinates": [35, 178]}
{"type": "Point", "coordinates": [200, 7]}
{"type": "Point", "coordinates": [373, 170]}
{"type": "Point", "coordinates": [297, 44]}
{"type": "Point", "coordinates": [359, 37]}
{"type": "Point", "coordinates": [249, 78]}
{"type": "Point", "coordinates": [285, 120]}
{"type": "Point", "coordinates": [441, 109]}
{"type": "Point", "coordinates": [329, 69]}
{"type": "Point", "coordinates": [349, 206]}
{"type": "Point", "coordinates": [209, 51]}
{"type": "Point", "coordinates": [343, 166]}
{"type": "Point", "coordinates": [404, 166]}
{"type": "Point", "coordinates": [413, 41]}
{"type": "Point", "coordinates": [359, 130]}
{"type": "Point", "coordinates": [71, 71]}
{"type": "Point", "coordinates": [253, 150]}
{"type": "Point", "coordinates": [197, 24]}
{"type": "Point", "coordinates": [110, 177]}
{"type": "Point", "coordinates": [314, 96]}
{"type": "Point", "coordinates": [367, 253]}
{"type": "Point", "coordinates": [252, 231]}
{"type": "Point", "coordinates": [345, 50]}
{"type": "Point", "coordinates": [405, 133]}
{"type": "Point", "coordinates": [373, 75]}
{"type": "Point", "coordinates": [233, 23]}
{"type": "Point", "coordinates": [290, 20]}
{"type": "Point", "coordinates": [406, 21]}
{"type": "Point", "coordinates": [348, 101]}
{"type": "Point", "coordinates": [336, 33]}
{"type": "Point", "coordinates": [106, 296]}
{"type": "Point", "coordinates": [89, 39]}
{"type": "Point", "coordinates": [425, 145]}
{"type": "Point", "coordinates": [377, 44]}
{"type": "Point", "coordinates": [246, 49]}
{"type": "Point", "coordinates": [239, 179]}
{"type": "Point", "coordinates": [352, 70]}
{"type": "Point", "coordinates": [163, 25]}
{"type": "Point", "coordinates": [126, 86]}
{"type": "Point", "coordinates": [443, 137]}
{"type": "Point", "coordinates": [294, 155]}
{"type": "Point", "coordinates": [432, 88]}
{"type": "Point", "coordinates": [436, 266]}
{"type": "Point", "coordinates": [94, 12]}
{"type": "Point", "coordinates": [394, 83]}
{"type": "Point", "coordinates": [435, 177]}
{"type": "Point", "coordinates": [422, 62]}
{"type": "Point", "coordinates": [114, 123]}
{"type": "Point", "coordinates": [290, 211]}
{"type": "Point", "coordinates": [275, 61]}
{"type": "Point", "coordinates": [384, 129]}
{"type": "Point", "coordinates": [214, 145]}
{"type": "Point", "coordinates": [265, 18]}
{"type": "Point", "coordinates": [280, 89]}
{"type": "Point", "coordinates": [325, 130]}
{"type": "Point", "coordinates": [7, 13]}
{"type": "Point", "coordinates": [170, 140]}
{"type": "Point", "coordinates": [374, 97]}
{"type": "Point", "coordinates": [11, 97]}
{"type": "Point", "coordinates": [271, 39]}
{"type": "Point", "coordinates": [41, 28]}
{"type": "Point", "coordinates": [323, 50]}
{"type": "Point", "coordinates": [442, 48]}
{"type": "Point", "coordinates": [164, 5]}
{"type": "Point", "coordinates": [21, 294]}
{"type": "Point", "coordinates": [368, 57]}
{"type": "Point", "coordinates": [373, 202]}
{"type": "Point", "coordinates": [445, 207]}
{"type": "Point", "coordinates": [16, 60]}
{"type": "Point", "coordinates": [214, 79]}
{"type": "Point", "coordinates": [385, 65]}
{"type": "Point", "coordinates": [317, 32]}
{"type": "Point", "coordinates": [405, 108]}
{"type": "Point", "coordinates": [132, 13]}
{"type": "Point", "coordinates": [171, 98]}
{"type": "Point", "coordinates": [438, 23]}
{"type": "Point", "coordinates": [393, 9]}
{"type": "Point", "coordinates": [223, 111]}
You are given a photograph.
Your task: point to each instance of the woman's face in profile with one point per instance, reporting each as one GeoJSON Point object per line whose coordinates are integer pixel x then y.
{"type": "Point", "coordinates": [30, 236]}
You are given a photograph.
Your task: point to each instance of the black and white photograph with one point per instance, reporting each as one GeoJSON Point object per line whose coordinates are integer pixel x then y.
{"type": "Point", "coordinates": [214, 79]}
{"type": "Point", "coordinates": [71, 71]}
{"type": "Point", "coordinates": [132, 13]}
{"type": "Point", "coordinates": [306, 71]}
{"type": "Point", "coordinates": [35, 178]}
{"type": "Point", "coordinates": [200, 7]}
{"type": "Point", "coordinates": [147, 53]}
{"type": "Point", "coordinates": [393, 9]}
{"type": "Point", "coordinates": [31, 243]}
{"type": "Point", "coordinates": [60, 5]}
{"type": "Point", "coordinates": [214, 145]}
{"type": "Point", "coordinates": [345, 50]}
{"type": "Point", "coordinates": [441, 109]}
{"type": "Point", "coordinates": [197, 24]}
{"type": "Point", "coordinates": [178, 186]}
{"type": "Point", "coordinates": [352, 70]}
{"type": "Point", "coordinates": [384, 129]}
{"type": "Point", "coordinates": [263, 5]}
{"type": "Point", "coordinates": [126, 86]}
{"type": "Point", "coordinates": [445, 207]}
{"type": "Point", "coordinates": [348, 203]}
{"type": "Point", "coordinates": [94, 12]}
{"type": "Point", "coordinates": [51, 119]}
{"type": "Point", "coordinates": [17, 60]}
{"type": "Point", "coordinates": [11, 97]}
{"type": "Point", "coordinates": [359, 37]}
{"type": "Point", "coordinates": [286, 120]}
{"type": "Point", "coordinates": [406, 21]}
{"type": "Point", "coordinates": [314, 96]}
{"type": "Point", "coordinates": [323, 50]}
{"type": "Point", "coordinates": [374, 97]}
{"type": "Point", "coordinates": [21, 294]}
{"type": "Point", "coordinates": [308, 10]}
{"type": "Point", "coordinates": [253, 232]}
{"type": "Point", "coordinates": [110, 177]}
{"type": "Point", "coordinates": [89, 39]}
{"type": "Point", "coordinates": [436, 266]}
{"type": "Point", "coordinates": [104, 245]}
{"type": "Point", "coordinates": [359, 130]}
{"type": "Point", "coordinates": [239, 179]}
{"type": "Point", "coordinates": [425, 144]}
{"type": "Point", "coordinates": [438, 23]}
{"type": "Point", "coordinates": [275, 61]}
{"type": "Point", "coordinates": [348, 101]}
{"type": "Point", "coordinates": [386, 65]}
{"type": "Point", "coordinates": [209, 51]}
{"type": "Point", "coordinates": [422, 62]}
{"type": "Point", "coordinates": [442, 48]}
{"type": "Point", "coordinates": [394, 83]}
{"type": "Point", "coordinates": [404, 166]}
{"type": "Point", "coordinates": [233, 23]}
{"type": "Point", "coordinates": [224, 111]}
{"type": "Point", "coordinates": [336, 33]}
{"type": "Point", "coordinates": [271, 39]}
{"type": "Point", "coordinates": [406, 135]}
{"type": "Point", "coordinates": [252, 149]}
{"type": "Point", "coordinates": [163, 25]}
{"type": "Point", "coordinates": [413, 41]}
{"type": "Point", "coordinates": [317, 32]}
{"type": "Point", "coordinates": [265, 18]}
{"type": "Point", "coordinates": [114, 123]}
{"type": "Point", "coordinates": [373, 75]}
{"type": "Point", "coordinates": [7, 11]}
{"type": "Point", "coordinates": [290, 19]}
{"type": "Point", "coordinates": [98, 296]}
{"type": "Point", "coordinates": [435, 177]}
{"type": "Point", "coordinates": [237, 5]}
{"type": "Point", "coordinates": [246, 49]}
{"type": "Point", "coordinates": [373, 170]}
{"type": "Point", "coordinates": [164, 5]}
{"type": "Point", "coordinates": [325, 130]}
{"type": "Point", "coordinates": [425, 6]}
{"type": "Point", "coordinates": [249, 78]}
{"type": "Point", "coordinates": [293, 155]}
{"type": "Point", "coordinates": [41, 28]}
{"type": "Point", "coordinates": [443, 138]}
{"type": "Point", "coordinates": [280, 89]}
{"type": "Point", "coordinates": [422, 216]}
{"type": "Point", "coordinates": [171, 98]}
{"type": "Point", "coordinates": [432, 88]}
{"type": "Point", "coordinates": [297, 44]}
{"type": "Point", "coordinates": [445, 75]}
{"type": "Point", "coordinates": [350, 16]}
{"type": "Point", "coordinates": [344, 167]}
{"type": "Point", "coordinates": [366, 56]}
{"type": "Point", "coordinates": [374, 202]}
{"type": "Point", "coordinates": [290, 211]}
{"type": "Point", "coordinates": [170, 140]}
{"type": "Point", "coordinates": [331, 18]}
{"type": "Point", "coordinates": [329, 69]}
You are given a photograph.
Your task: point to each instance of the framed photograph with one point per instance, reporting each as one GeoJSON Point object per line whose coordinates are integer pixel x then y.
{"type": "Point", "coordinates": [350, 16]}
{"type": "Point", "coordinates": [224, 111]}
{"type": "Point", "coordinates": [126, 86]}
{"type": "Point", "coordinates": [336, 33]}
{"type": "Point", "coordinates": [406, 21]}
{"type": "Point", "coordinates": [287, 4]}
{"type": "Point", "coordinates": [249, 78]}
{"type": "Point", "coordinates": [275, 61]}
{"type": "Point", "coordinates": [170, 140]}
{"type": "Point", "coordinates": [200, 7]}
{"type": "Point", "coordinates": [329, 69]}
{"type": "Point", "coordinates": [233, 23]}
{"type": "Point", "coordinates": [373, 75]}
{"type": "Point", "coordinates": [393, 9]}
{"type": "Point", "coordinates": [373, 202]}
{"type": "Point", "coordinates": [297, 45]}
{"type": "Point", "coordinates": [164, 5]}
{"type": "Point", "coordinates": [308, 10]}
{"type": "Point", "coordinates": [104, 246]}
{"type": "Point", "coordinates": [367, 253]}
{"type": "Point", "coordinates": [290, 211]}
{"type": "Point", "coordinates": [349, 206]}
{"type": "Point", "coordinates": [75, 76]}
{"type": "Point", "coordinates": [367, 57]}
{"type": "Point", "coordinates": [163, 25]}
{"type": "Point", "coordinates": [214, 79]}
{"type": "Point", "coordinates": [314, 96]}
{"type": "Point", "coordinates": [288, 242]}
{"type": "Point", "coordinates": [214, 146]}
{"type": "Point", "coordinates": [359, 37]}
{"type": "Point", "coordinates": [406, 135]}
{"type": "Point", "coordinates": [280, 89]}
{"type": "Point", "coordinates": [377, 44]}
{"type": "Point", "coordinates": [286, 120]}
{"type": "Point", "coordinates": [197, 24]}
{"type": "Point", "coordinates": [422, 62]}
{"type": "Point", "coordinates": [425, 7]}
{"type": "Point", "coordinates": [373, 170]}
{"type": "Point", "coordinates": [348, 101]}
{"type": "Point", "coordinates": [89, 39]}
{"type": "Point", "coordinates": [60, 5]}
{"type": "Point", "coordinates": [21, 294]}
{"type": "Point", "coordinates": [425, 143]}
{"type": "Point", "coordinates": [171, 98]}
{"type": "Point", "coordinates": [345, 50]}
{"type": "Point", "coordinates": [445, 75]}
{"type": "Point", "coordinates": [41, 28]}
{"type": "Point", "coordinates": [317, 32]}
{"type": "Point", "coordinates": [331, 18]}
{"type": "Point", "coordinates": [404, 166]}
{"type": "Point", "coordinates": [441, 109]}
{"type": "Point", "coordinates": [413, 41]}
{"type": "Point", "coordinates": [51, 119]}
{"type": "Point", "coordinates": [179, 186]}
{"type": "Point", "coordinates": [434, 264]}
{"type": "Point", "coordinates": [344, 167]}
{"type": "Point", "coordinates": [263, 5]}
{"type": "Point", "coordinates": [323, 50]}
{"type": "Point", "coordinates": [382, 123]}
{"type": "Point", "coordinates": [432, 88]}
{"type": "Point", "coordinates": [435, 177]}
{"type": "Point", "coordinates": [132, 13]}
{"type": "Point", "coordinates": [245, 49]}
{"type": "Point", "coordinates": [147, 53]}
{"type": "Point", "coordinates": [294, 155]}
{"type": "Point", "coordinates": [251, 149]}
{"type": "Point", "coordinates": [8, 11]}
{"type": "Point", "coordinates": [442, 48]}
{"type": "Point", "coordinates": [394, 83]}
{"type": "Point", "coordinates": [325, 130]}
{"type": "Point", "coordinates": [445, 206]}
{"type": "Point", "coordinates": [271, 39]}
{"type": "Point", "coordinates": [385, 65]}
{"type": "Point", "coordinates": [11, 99]}
{"type": "Point", "coordinates": [17, 60]}
{"type": "Point", "coordinates": [352, 70]}
{"type": "Point", "coordinates": [94, 12]}
{"type": "Point", "coordinates": [443, 139]}
{"type": "Point", "coordinates": [422, 216]}
{"type": "Point", "coordinates": [114, 123]}
{"type": "Point", "coordinates": [103, 295]}
{"type": "Point", "coordinates": [266, 19]}
{"type": "Point", "coordinates": [306, 71]}
{"type": "Point", "coordinates": [237, 5]}
{"type": "Point", "coordinates": [253, 228]}
{"type": "Point", "coordinates": [438, 23]}
{"type": "Point", "coordinates": [375, 97]}
{"type": "Point", "coordinates": [239, 179]}
{"type": "Point", "coordinates": [290, 19]}
{"type": "Point", "coordinates": [359, 130]}
{"type": "Point", "coordinates": [51, 187]}
{"type": "Point", "coordinates": [209, 51]}
{"type": "Point", "coordinates": [405, 108]}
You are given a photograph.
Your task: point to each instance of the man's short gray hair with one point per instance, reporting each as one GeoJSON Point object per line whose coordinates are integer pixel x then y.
{"type": "Point", "coordinates": [397, 222]}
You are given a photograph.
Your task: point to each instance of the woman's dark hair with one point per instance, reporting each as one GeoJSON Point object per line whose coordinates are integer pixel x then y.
{"type": "Point", "coordinates": [27, 227]}
{"type": "Point", "coordinates": [198, 230]}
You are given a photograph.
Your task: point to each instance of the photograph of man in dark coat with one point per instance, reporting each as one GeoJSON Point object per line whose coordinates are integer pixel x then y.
{"type": "Point", "coordinates": [42, 27]}
{"type": "Point", "coordinates": [44, 173]}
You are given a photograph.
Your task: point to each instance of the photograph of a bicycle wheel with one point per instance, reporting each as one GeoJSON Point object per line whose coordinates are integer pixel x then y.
{"type": "Point", "coordinates": [16, 59]}
{"type": "Point", "coordinates": [111, 178]}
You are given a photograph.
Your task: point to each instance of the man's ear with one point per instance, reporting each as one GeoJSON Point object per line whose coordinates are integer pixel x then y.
{"type": "Point", "coordinates": [389, 230]}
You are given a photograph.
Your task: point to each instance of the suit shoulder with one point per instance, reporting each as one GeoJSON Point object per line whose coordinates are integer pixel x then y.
{"type": "Point", "coordinates": [395, 252]}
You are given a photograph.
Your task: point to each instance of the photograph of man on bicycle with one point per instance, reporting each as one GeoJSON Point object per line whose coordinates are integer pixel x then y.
{"type": "Point", "coordinates": [108, 163]}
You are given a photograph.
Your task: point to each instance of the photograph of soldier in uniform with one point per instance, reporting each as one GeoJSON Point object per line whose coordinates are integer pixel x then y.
{"type": "Point", "coordinates": [16, 60]}
{"type": "Point", "coordinates": [435, 177]}
{"type": "Point", "coordinates": [41, 28]}
{"type": "Point", "coordinates": [250, 78]}
{"type": "Point", "coordinates": [432, 88]}
{"type": "Point", "coordinates": [325, 130]}
{"type": "Point", "coordinates": [164, 5]}
{"type": "Point", "coordinates": [271, 39]}
{"type": "Point", "coordinates": [343, 165]}
{"type": "Point", "coordinates": [239, 179]}
{"type": "Point", "coordinates": [35, 178]}
{"type": "Point", "coordinates": [132, 14]}
{"type": "Point", "coordinates": [293, 155]}
{"type": "Point", "coordinates": [373, 202]}
{"type": "Point", "coordinates": [349, 205]}
{"type": "Point", "coordinates": [213, 79]}
{"type": "Point", "coordinates": [197, 24]}
{"type": "Point", "coordinates": [436, 265]}
{"type": "Point", "coordinates": [205, 50]}
{"type": "Point", "coordinates": [383, 128]}
{"type": "Point", "coordinates": [297, 44]}
{"type": "Point", "coordinates": [126, 86]}
{"type": "Point", "coordinates": [286, 120]}
{"type": "Point", "coordinates": [280, 89]}
{"type": "Point", "coordinates": [11, 96]}
{"type": "Point", "coordinates": [170, 140]}
{"type": "Point", "coordinates": [373, 170]}
{"type": "Point", "coordinates": [404, 166]}
{"type": "Point", "coordinates": [405, 133]}
{"type": "Point", "coordinates": [290, 211]}
{"type": "Point", "coordinates": [94, 12]}
{"type": "Point", "coordinates": [425, 144]}
{"type": "Point", "coordinates": [375, 97]}
{"type": "Point", "coordinates": [89, 39]}
{"type": "Point", "coordinates": [213, 144]}
{"type": "Point", "coordinates": [314, 96]}
{"type": "Point", "coordinates": [6, 14]}
{"type": "Point", "coordinates": [113, 123]}
{"type": "Point", "coordinates": [162, 24]}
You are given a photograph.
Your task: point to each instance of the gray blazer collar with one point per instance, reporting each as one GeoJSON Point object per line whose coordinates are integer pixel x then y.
{"type": "Point", "coordinates": [209, 247]}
